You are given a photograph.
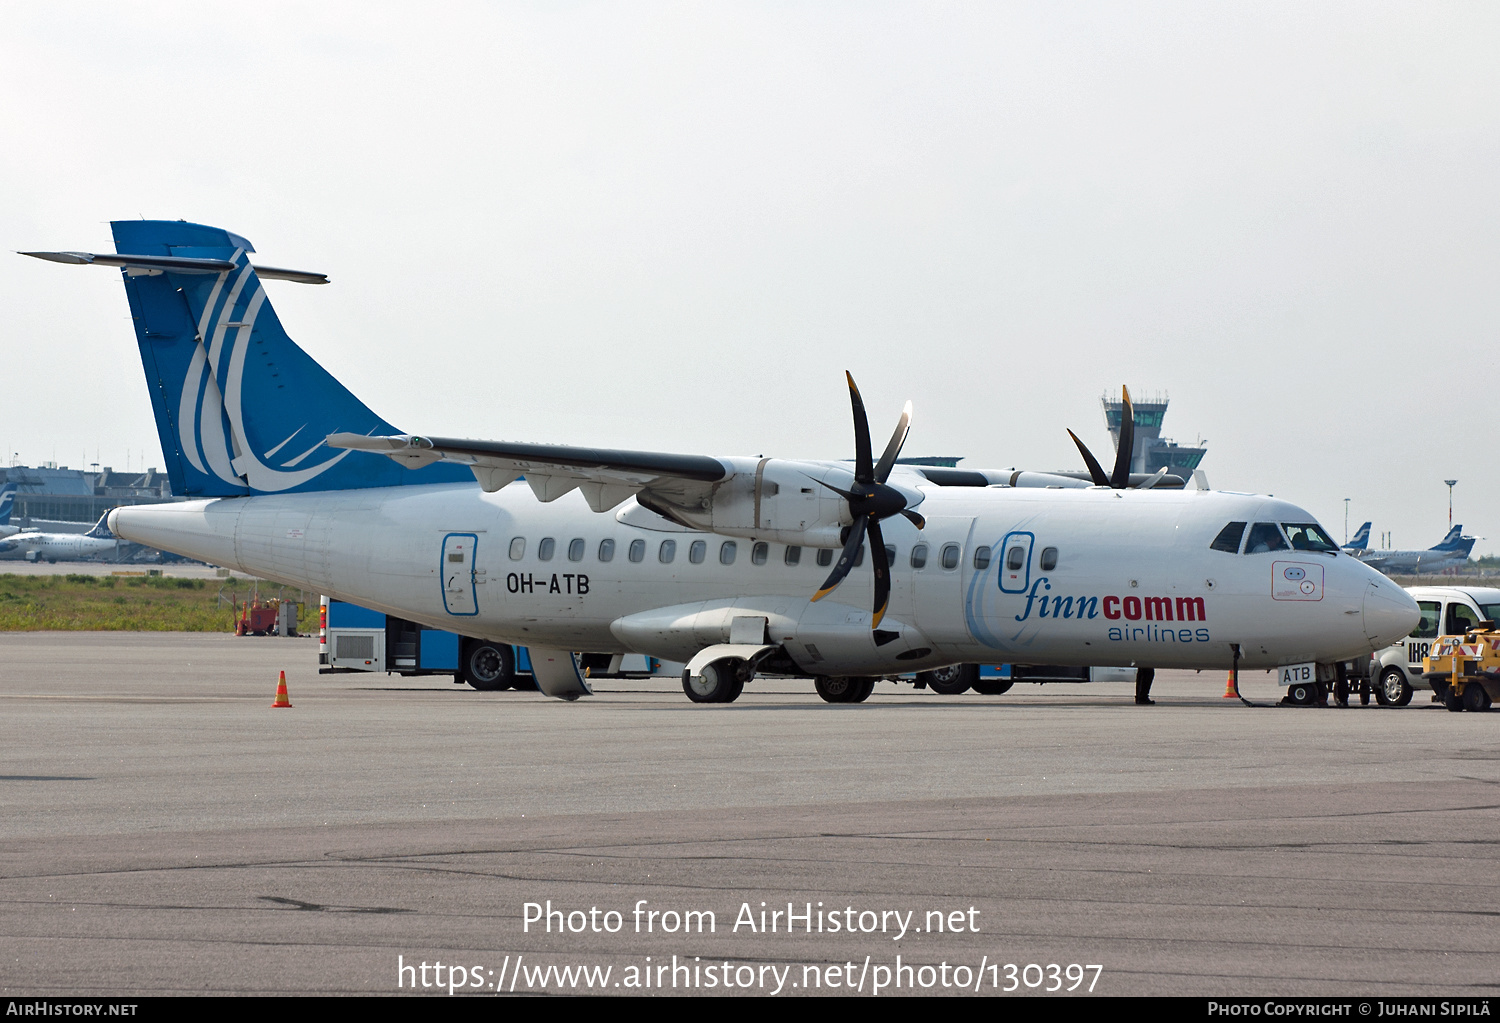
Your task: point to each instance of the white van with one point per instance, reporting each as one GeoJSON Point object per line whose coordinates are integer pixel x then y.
{"type": "Point", "coordinates": [1446, 611]}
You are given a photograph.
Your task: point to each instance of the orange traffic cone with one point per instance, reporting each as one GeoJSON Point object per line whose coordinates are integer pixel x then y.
{"type": "Point", "coordinates": [282, 699]}
{"type": "Point", "coordinates": [1229, 693]}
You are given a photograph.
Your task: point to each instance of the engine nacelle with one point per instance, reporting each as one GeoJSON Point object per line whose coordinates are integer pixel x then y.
{"type": "Point", "coordinates": [776, 500]}
{"type": "Point", "coordinates": [826, 638]}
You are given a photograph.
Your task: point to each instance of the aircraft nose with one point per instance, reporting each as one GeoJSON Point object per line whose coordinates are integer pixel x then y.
{"type": "Point", "coordinates": [1390, 612]}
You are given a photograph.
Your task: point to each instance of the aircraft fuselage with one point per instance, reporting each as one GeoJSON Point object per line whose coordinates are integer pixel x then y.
{"type": "Point", "coordinates": [1104, 577]}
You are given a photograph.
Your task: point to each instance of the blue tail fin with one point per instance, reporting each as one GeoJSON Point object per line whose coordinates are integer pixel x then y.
{"type": "Point", "coordinates": [7, 502]}
{"type": "Point", "coordinates": [1361, 539]}
{"type": "Point", "coordinates": [240, 409]}
{"type": "Point", "coordinates": [100, 530]}
{"type": "Point", "coordinates": [1452, 541]}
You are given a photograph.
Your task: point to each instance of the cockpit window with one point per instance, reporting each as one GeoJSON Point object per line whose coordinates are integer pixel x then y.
{"type": "Point", "coordinates": [1229, 538]}
{"type": "Point", "coordinates": [1308, 536]}
{"type": "Point", "coordinates": [1264, 536]}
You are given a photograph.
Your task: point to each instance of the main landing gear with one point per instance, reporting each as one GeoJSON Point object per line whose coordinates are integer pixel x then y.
{"type": "Point", "coordinates": [844, 690]}
{"type": "Point", "coordinates": [719, 681]}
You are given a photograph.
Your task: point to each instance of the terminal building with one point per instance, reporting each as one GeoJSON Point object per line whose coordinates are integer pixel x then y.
{"type": "Point", "coordinates": [1152, 451]}
{"type": "Point", "coordinates": [62, 499]}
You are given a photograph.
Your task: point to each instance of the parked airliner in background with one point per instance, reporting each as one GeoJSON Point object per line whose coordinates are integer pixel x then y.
{"type": "Point", "coordinates": [1450, 552]}
{"type": "Point", "coordinates": [736, 565]}
{"type": "Point", "coordinates": [7, 502]}
{"type": "Point", "coordinates": [1361, 540]}
{"type": "Point", "coordinates": [35, 546]}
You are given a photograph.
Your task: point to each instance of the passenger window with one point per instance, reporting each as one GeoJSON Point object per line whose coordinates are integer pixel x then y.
{"type": "Point", "coordinates": [981, 558]}
{"type": "Point", "coordinates": [1461, 618]}
{"type": "Point", "coordinates": [793, 555]}
{"type": "Point", "coordinates": [545, 548]}
{"type": "Point", "coordinates": [697, 551]}
{"type": "Point", "coordinates": [1264, 536]}
{"type": "Point", "coordinates": [919, 556]}
{"type": "Point", "coordinates": [576, 549]}
{"type": "Point", "coordinates": [1229, 538]}
{"type": "Point", "coordinates": [667, 552]}
{"type": "Point", "coordinates": [606, 550]}
{"type": "Point", "coordinates": [950, 555]}
{"type": "Point", "coordinates": [825, 557]}
{"type": "Point", "coordinates": [727, 551]}
{"type": "Point", "coordinates": [638, 551]}
{"type": "Point", "coordinates": [759, 553]}
{"type": "Point", "coordinates": [1427, 625]}
{"type": "Point", "coordinates": [1049, 558]}
{"type": "Point", "coordinates": [518, 548]}
{"type": "Point", "coordinates": [1015, 559]}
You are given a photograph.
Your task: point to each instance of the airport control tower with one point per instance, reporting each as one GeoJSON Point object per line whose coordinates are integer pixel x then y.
{"type": "Point", "coordinates": [1152, 450]}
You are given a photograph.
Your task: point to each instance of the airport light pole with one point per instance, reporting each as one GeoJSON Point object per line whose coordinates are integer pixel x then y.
{"type": "Point", "coordinates": [1450, 501]}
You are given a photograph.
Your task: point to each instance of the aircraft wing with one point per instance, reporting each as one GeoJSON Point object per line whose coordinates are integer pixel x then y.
{"type": "Point", "coordinates": [605, 476]}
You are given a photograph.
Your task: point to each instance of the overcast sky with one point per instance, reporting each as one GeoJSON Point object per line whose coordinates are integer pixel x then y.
{"type": "Point", "coordinates": [673, 226]}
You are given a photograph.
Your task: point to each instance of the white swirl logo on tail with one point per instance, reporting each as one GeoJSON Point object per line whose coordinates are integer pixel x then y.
{"type": "Point", "coordinates": [204, 407]}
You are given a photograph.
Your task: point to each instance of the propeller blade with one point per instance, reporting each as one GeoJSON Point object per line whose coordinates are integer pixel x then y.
{"type": "Point", "coordinates": [845, 494]}
{"type": "Point", "coordinates": [914, 518]}
{"type": "Point", "coordinates": [864, 472]}
{"type": "Point", "coordinates": [893, 449]}
{"type": "Point", "coordinates": [846, 559]}
{"type": "Point", "coordinates": [1152, 480]}
{"type": "Point", "coordinates": [882, 567]}
{"type": "Point", "coordinates": [1121, 477]}
{"type": "Point", "coordinates": [1095, 469]}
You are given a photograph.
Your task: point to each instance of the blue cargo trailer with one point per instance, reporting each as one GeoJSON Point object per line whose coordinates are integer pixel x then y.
{"type": "Point", "coordinates": [355, 638]}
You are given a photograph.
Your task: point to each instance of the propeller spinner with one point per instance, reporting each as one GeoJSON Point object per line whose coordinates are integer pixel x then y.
{"type": "Point", "coordinates": [870, 501]}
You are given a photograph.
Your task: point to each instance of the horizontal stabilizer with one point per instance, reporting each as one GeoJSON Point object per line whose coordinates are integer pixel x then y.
{"type": "Point", "coordinates": [176, 264]}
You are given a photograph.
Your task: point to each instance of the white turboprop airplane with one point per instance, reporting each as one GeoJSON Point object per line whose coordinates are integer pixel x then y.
{"type": "Point", "coordinates": [37, 546]}
{"type": "Point", "coordinates": [727, 564]}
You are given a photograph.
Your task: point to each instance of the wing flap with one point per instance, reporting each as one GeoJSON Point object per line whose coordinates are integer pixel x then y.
{"type": "Point", "coordinates": [606, 476]}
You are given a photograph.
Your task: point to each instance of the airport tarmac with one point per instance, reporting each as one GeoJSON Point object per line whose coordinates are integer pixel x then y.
{"type": "Point", "coordinates": [166, 832]}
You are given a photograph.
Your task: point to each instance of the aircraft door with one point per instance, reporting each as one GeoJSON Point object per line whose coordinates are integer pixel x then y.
{"type": "Point", "coordinates": [457, 572]}
{"type": "Point", "coordinates": [1015, 562]}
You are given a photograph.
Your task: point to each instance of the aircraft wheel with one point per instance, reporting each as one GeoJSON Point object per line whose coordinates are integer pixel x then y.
{"type": "Point", "coordinates": [488, 666]}
{"type": "Point", "coordinates": [834, 690]}
{"type": "Point", "coordinates": [1394, 690]}
{"type": "Point", "coordinates": [1475, 698]}
{"type": "Point", "coordinates": [1304, 695]}
{"type": "Point", "coordinates": [736, 686]}
{"type": "Point", "coordinates": [861, 691]}
{"type": "Point", "coordinates": [717, 682]}
{"type": "Point", "coordinates": [952, 680]}
{"type": "Point", "coordinates": [992, 686]}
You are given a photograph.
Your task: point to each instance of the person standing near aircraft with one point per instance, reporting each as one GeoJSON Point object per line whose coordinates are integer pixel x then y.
{"type": "Point", "coordinates": [1143, 679]}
